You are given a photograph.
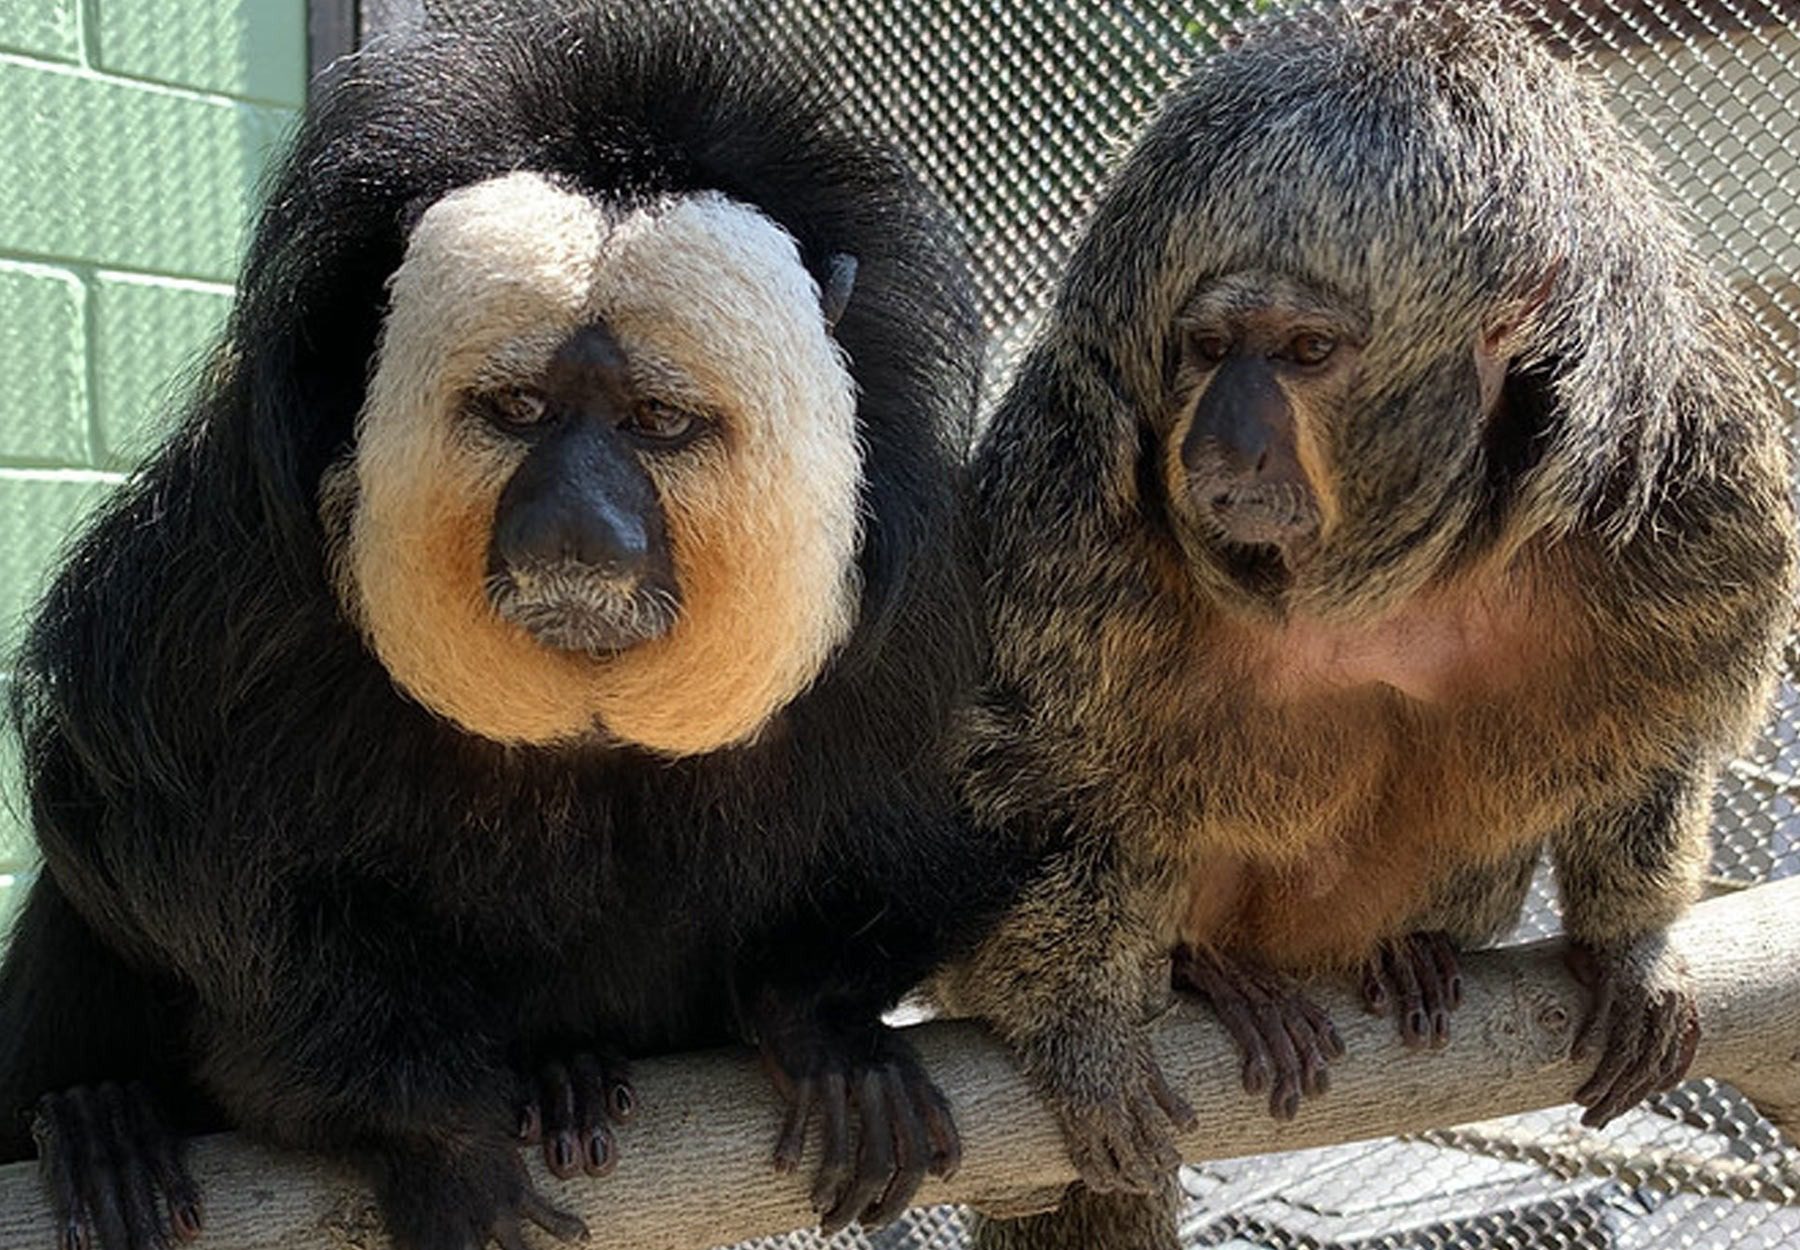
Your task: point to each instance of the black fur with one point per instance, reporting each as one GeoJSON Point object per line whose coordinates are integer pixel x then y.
{"type": "Point", "coordinates": [277, 886]}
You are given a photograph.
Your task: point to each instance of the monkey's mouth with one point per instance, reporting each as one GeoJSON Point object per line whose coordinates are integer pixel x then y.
{"type": "Point", "coordinates": [568, 607]}
{"type": "Point", "coordinates": [1281, 515]}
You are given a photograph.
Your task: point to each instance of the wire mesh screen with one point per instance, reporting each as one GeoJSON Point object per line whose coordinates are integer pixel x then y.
{"type": "Point", "coordinates": [1014, 109]}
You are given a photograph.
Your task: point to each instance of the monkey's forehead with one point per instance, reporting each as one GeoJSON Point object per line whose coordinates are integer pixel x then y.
{"type": "Point", "coordinates": [498, 273]}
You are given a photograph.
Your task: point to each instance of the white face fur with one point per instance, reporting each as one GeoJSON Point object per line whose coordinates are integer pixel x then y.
{"type": "Point", "coordinates": [714, 311]}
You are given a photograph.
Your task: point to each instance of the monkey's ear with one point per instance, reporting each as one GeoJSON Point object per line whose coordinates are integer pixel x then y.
{"type": "Point", "coordinates": [834, 292]}
{"type": "Point", "coordinates": [1499, 341]}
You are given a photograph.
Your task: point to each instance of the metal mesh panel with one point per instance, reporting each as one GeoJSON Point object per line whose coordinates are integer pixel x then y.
{"type": "Point", "coordinates": [1015, 110]}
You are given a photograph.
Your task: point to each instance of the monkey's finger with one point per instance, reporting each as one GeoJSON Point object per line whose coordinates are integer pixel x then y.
{"type": "Point", "coordinates": [621, 1096]}
{"type": "Point", "coordinates": [911, 1151]}
{"type": "Point", "coordinates": [1127, 1151]}
{"type": "Point", "coordinates": [1631, 1090]}
{"type": "Point", "coordinates": [1323, 1028]}
{"type": "Point", "coordinates": [50, 1130]}
{"type": "Point", "coordinates": [1093, 1162]}
{"type": "Point", "coordinates": [1315, 1078]}
{"type": "Point", "coordinates": [1602, 989]}
{"type": "Point", "coordinates": [1604, 996]}
{"type": "Point", "coordinates": [1409, 997]}
{"type": "Point", "coordinates": [599, 1154]}
{"type": "Point", "coordinates": [1154, 1142]}
{"type": "Point", "coordinates": [560, 1224]}
{"type": "Point", "coordinates": [1285, 1066]}
{"type": "Point", "coordinates": [834, 1160]}
{"type": "Point", "coordinates": [1449, 968]}
{"type": "Point", "coordinates": [791, 1143]}
{"type": "Point", "coordinates": [1173, 1105]}
{"type": "Point", "coordinates": [94, 1173]}
{"type": "Point", "coordinates": [940, 1126]}
{"type": "Point", "coordinates": [1378, 1000]}
{"type": "Point", "coordinates": [1434, 996]}
{"type": "Point", "coordinates": [1681, 1054]}
{"type": "Point", "coordinates": [1234, 1013]}
{"type": "Point", "coordinates": [556, 1098]}
{"type": "Point", "coordinates": [1632, 1085]}
{"type": "Point", "coordinates": [163, 1151]}
{"type": "Point", "coordinates": [131, 1180]}
{"type": "Point", "coordinates": [1620, 1056]}
{"type": "Point", "coordinates": [874, 1155]}
{"type": "Point", "coordinates": [509, 1235]}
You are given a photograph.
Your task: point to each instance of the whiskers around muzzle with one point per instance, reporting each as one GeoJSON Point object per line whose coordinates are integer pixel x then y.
{"type": "Point", "coordinates": [569, 606]}
{"type": "Point", "coordinates": [1253, 509]}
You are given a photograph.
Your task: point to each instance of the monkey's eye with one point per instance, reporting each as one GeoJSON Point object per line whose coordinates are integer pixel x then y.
{"type": "Point", "coordinates": [1212, 348]}
{"type": "Point", "coordinates": [518, 407]}
{"type": "Point", "coordinates": [1311, 349]}
{"type": "Point", "coordinates": [662, 424]}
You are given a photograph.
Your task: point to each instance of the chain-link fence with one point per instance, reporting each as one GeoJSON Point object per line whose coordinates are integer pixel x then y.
{"type": "Point", "coordinates": [1015, 110]}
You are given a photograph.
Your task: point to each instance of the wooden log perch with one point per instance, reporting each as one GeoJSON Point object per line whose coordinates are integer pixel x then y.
{"type": "Point", "coordinates": [694, 1165]}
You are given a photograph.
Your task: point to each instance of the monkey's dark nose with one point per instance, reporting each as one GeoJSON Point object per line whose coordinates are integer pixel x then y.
{"type": "Point", "coordinates": [559, 528]}
{"type": "Point", "coordinates": [1240, 423]}
{"type": "Point", "coordinates": [578, 497]}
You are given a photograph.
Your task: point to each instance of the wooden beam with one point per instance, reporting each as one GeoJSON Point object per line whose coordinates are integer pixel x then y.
{"type": "Point", "coordinates": [694, 1166]}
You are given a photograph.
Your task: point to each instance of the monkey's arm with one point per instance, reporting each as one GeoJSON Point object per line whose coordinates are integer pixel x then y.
{"type": "Point", "coordinates": [1625, 873]}
{"type": "Point", "coordinates": [1071, 980]}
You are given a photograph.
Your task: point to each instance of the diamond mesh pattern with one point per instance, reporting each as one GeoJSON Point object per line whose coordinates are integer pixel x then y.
{"type": "Point", "coordinates": [1014, 109]}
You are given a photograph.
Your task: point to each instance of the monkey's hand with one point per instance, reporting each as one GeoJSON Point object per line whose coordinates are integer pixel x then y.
{"type": "Point", "coordinates": [906, 1129]}
{"type": "Point", "coordinates": [565, 1107]}
{"type": "Point", "coordinates": [1118, 1113]}
{"type": "Point", "coordinates": [1286, 1040]}
{"type": "Point", "coordinates": [462, 1194]}
{"type": "Point", "coordinates": [115, 1175]}
{"type": "Point", "coordinates": [1642, 1020]}
{"type": "Point", "coordinates": [1417, 979]}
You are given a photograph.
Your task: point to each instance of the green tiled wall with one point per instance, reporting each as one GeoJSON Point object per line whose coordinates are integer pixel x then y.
{"type": "Point", "coordinates": [43, 389]}
{"type": "Point", "coordinates": [132, 136]}
{"type": "Point", "coordinates": [254, 50]}
{"type": "Point", "coordinates": [145, 331]}
{"type": "Point", "coordinates": [48, 28]}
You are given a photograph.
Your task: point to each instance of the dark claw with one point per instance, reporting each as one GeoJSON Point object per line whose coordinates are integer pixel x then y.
{"type": "Point", "coordinates": [1641, 1018]}
{"type": "Point", "coordinates": [834, 1160]}
{"type": "Point", "coordinates": [1286, 1041]}
{"type": "Point", "coordinates": [569, 1110]}
{"type": "Point", "coordinates": [1417, 978]}
{"type": "Point", "coordinates": [904, 1127]}
{"type": "Point", "coordinates": [912, 1154]}
{"type": "Point", "coordinates": [874, 1156]}
{"type": "Point", "coordinates": [940, 1129]}
{"type": "Point", "coordinates": [112, 1170]}
{"type": "Point", "coordinates": [792, 1142]}
{"type": "Point", "coordinates": [621, 1102]}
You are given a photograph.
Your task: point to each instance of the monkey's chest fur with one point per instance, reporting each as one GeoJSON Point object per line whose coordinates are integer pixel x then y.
{"type": "Point", "coordinates": [1317, 780]}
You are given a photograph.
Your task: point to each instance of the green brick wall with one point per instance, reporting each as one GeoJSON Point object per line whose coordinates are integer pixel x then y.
{"type": "Point", "coordinates": [132, 136]}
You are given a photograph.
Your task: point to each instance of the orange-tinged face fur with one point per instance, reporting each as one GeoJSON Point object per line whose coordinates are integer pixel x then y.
{"type": "Point", "coordinates": [712, 307]}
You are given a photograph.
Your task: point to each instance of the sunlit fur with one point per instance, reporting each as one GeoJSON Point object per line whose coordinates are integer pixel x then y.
{"type": "Point", "coordinates": [1542, 629]}
{"type": "Point", "coordinates": [709, 301]}
{"type": "Point", "coordinates": [329, 852]}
